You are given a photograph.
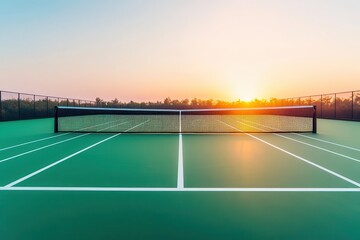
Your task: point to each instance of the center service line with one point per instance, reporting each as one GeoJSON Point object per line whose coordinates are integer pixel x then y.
{"type": "Point", "coordinates": [180, 180]}
{"type": "Point", "coordinates": [66, 158]}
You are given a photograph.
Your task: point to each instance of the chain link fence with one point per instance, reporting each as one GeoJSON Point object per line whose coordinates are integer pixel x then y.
{"type": "Point", "coordinates": [341, 106]}
{"type": "Point", "coordinates": [19, 106]}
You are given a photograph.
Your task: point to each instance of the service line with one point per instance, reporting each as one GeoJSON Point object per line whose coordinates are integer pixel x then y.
{"type": "Point", "coordinates": [47, 138]}
{"type": "Point", "coordinates": [53, 144]}
{"type": "Point", "coordinates": [68, 157]}
{"type": "Point", "coordinates": [298, 157]}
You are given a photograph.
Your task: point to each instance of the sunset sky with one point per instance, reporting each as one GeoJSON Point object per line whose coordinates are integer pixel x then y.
{"type": "Point", "coordinates": [151, 49]}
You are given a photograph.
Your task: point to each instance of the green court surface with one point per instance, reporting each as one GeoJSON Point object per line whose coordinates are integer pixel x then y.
{"type": "Point", "coordinates": [179, 186]}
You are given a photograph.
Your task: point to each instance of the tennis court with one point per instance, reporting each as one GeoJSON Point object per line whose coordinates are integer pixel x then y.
{"type": "Point", "coordinates": [178, 186]}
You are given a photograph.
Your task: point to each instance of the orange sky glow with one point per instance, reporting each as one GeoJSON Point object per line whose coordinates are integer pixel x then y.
{"type": "Point", "coordinates": [150, 50]}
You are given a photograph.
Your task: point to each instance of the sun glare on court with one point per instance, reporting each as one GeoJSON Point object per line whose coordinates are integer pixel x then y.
{"type": "Point", "coordinates": [179, 119]}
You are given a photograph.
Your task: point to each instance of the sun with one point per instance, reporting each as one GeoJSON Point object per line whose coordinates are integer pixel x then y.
{"type": "Point", "coordinates": [247, 98]}
{"type": "Point", "coordinates": [245, 87]}
{"type": "Point", "coordinates": [245, 95]}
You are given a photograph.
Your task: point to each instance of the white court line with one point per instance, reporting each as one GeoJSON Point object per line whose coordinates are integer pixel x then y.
{"type": "Point", "coordinates": [321, 140]}
{"type": "Point", "coordinates": [305, 136]}
{"type": "Point", "coordinates": [298, 157]}
{"type": "Point", "coordinates": [66, 158]}
{"type": "Point", "coordinates": [307, 144]}
{"type": "Point", "coordinates": [320, 148]}
{"type": "Point", "coordinates": [53, 144]}
{"type": "Point", "coordinates": [149, 189]}
{"type": "Point", "coordinates": [43, 139]}
{"type": "Point", "coordinates": [38, 140]}
{"type": "Point", "coordinates": [180, 180]}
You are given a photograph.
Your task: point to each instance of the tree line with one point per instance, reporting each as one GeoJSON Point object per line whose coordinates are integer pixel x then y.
{"type": "Point", "coordinates": [328, 106]}
{"type": "Point", "coordinates": [186, 103]}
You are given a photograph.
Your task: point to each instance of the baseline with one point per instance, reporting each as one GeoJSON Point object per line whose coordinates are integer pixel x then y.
{"type": "Point", "coordinates": [149, 189]}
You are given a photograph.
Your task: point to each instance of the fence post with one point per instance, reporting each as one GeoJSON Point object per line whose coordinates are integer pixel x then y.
{"type": "Point", "coordinates": [47, 106]}
{"type": "Point", "coordinates": [321, 106]}
{"type": "Point", "coordinates": [352, 105]}
{"type": "Point", "coordinates": [0, 107]}
{"type": "Point", "coordinates": [34, 115]}
{"type": "Point", "coordinates": [335, 107]}
{"type": "Point", "coordinates": [19, 106]}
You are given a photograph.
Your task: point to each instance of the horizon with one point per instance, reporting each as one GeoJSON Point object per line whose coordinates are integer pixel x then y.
{"type": "Point", "coordinates": [148, 50]}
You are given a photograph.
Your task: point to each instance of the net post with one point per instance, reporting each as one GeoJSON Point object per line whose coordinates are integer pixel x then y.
{"type": "Point", "coordinates": [314, 120]}
{"type": "Point", "coordinates": [56, 127]}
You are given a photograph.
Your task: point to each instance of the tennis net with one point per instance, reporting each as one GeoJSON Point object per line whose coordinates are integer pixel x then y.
{"type": "Point", "coordinates": [229, 120]}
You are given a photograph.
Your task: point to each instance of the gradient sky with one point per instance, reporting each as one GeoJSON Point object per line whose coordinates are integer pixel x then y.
{"type": "Point", "coordinates": [148, 50]}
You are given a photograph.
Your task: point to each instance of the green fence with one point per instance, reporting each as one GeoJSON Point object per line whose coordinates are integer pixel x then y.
{"type": "Point", "coordinates": [18, 106]}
